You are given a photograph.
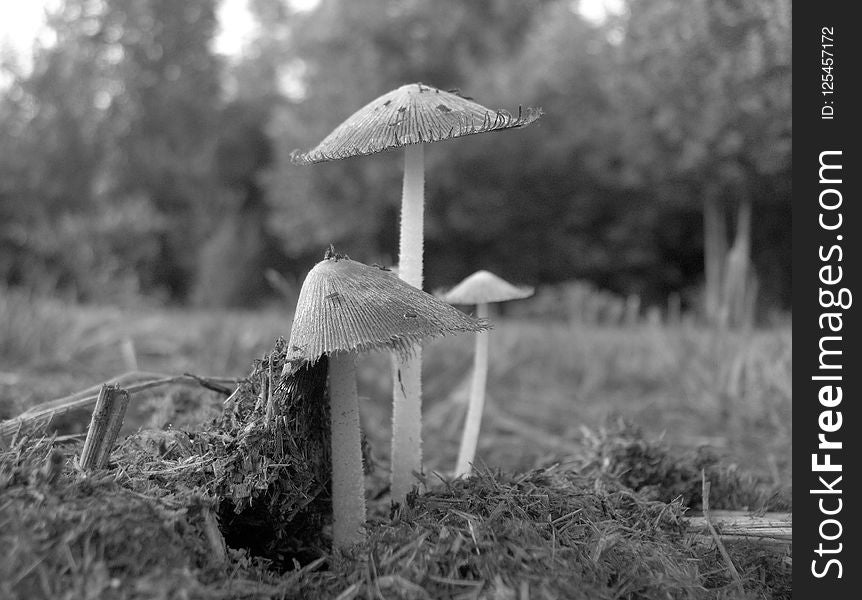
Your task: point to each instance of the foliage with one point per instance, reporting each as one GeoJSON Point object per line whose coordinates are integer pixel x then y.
{"type": "Point", "coordinates": [108, 142]}
{"type": "Point", "coordinates": [113, 181]}
{"type": "Point", "coordinates": [706, 112]}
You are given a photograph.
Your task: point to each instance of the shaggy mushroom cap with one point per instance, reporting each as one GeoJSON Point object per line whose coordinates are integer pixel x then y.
{"type": "Point", "coordinates": [412, 114]}
{"type": "Point", "coordinates": [483, 287]}
{"type": "Point", "coordinates": [347, 306]}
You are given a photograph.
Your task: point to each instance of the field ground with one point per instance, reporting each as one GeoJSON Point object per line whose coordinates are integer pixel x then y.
{"type": "Point", "coordinates": [730, 392]}
{"type": "Point", "coordinates": [555, 388]}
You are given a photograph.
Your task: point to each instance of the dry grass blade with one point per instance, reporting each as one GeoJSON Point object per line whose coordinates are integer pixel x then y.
{"type": "Point", "coordinates": [348, 594]}
{"type": "Point", "coordinates": [731, 567]}
{"type": "Point", "coordinates": [214, 536]}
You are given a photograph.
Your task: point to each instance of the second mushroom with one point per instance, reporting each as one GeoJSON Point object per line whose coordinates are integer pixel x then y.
{"type": "Point", "coordinates": [481, 288]}
{"type": "Point", "coordinates": [344, 308]}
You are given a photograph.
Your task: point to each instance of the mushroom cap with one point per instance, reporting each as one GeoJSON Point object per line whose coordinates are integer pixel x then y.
{"type": "Point", "coordinates": [482, 287]}
{"type": "Point", "coordinates": [412, 114]}
{"type": "Point", "coordinates": [347, 306]}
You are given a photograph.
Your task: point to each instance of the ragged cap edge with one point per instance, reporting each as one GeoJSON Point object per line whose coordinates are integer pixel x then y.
{"type": "Point", "coordinates": [412, 114]}
{"type": "Point", "coordinates": [346, 306]}
{"type": "Point", "coordinates": [485, 287]}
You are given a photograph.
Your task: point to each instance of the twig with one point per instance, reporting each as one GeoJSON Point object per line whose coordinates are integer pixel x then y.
{"type": "Point", "coordinates": [212, 383]}
{"type": "Point", "coordinates": [115, 423]}
{"type": "Point", "coordinates": [267, 385]}
{"type": "Point", "coordinates": [734, 573]}
{"type": "Point", "coordinates": [104, 426]}
{"type": "Point", "coordinates": [88, 397]}
{"type": "Point", "coordinates": [769, 529]}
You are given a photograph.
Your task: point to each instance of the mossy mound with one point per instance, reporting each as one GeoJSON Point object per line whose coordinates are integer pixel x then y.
{"type": "Point", "coordinates": [620, 452]}
{"type": "Point", "coordinates": [265, 462]}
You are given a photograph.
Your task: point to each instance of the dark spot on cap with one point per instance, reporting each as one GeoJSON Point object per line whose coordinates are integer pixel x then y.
{"type": "Point", "coordinates": [443, 108]}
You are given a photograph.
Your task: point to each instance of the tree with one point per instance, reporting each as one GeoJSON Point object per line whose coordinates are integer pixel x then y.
{"type": "Point", "coordinates": [233, 262]}
{"type": "Point", "coordinates": [51, 136]}
{"type": "Point", "coordinates": [164, 114]}
{"type": "Point", "coordinates": [703, 96]}
{"type": "Point", "coordinates": [111, 172]}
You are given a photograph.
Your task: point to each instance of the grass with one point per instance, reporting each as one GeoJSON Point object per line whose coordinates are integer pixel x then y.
{"type": "Point", "coordinates": [576, 500]}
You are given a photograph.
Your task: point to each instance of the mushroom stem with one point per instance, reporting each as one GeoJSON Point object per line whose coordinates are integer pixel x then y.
{"type": "Point", "coordinates": [412, 216]}
{"type": "Point", "coordinates": [470, 437]}
{"type": "Point", "coordinates": [348, 481]}
{"type": "Point", "coordinates": [407, 372]}
{"type": "Point", "coordinates": [406, 423]}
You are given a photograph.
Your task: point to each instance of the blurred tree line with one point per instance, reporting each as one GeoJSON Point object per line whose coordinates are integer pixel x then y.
{"type": "Point", "coordinates": [135, 160]}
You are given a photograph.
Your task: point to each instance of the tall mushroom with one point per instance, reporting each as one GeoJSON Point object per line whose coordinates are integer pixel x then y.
{"type": "Point", "coordinates": [481, 288]}
{"type": "Point", "coordinates": [409, 117]}
{"type": "Point", "coordinates": [346, 307]}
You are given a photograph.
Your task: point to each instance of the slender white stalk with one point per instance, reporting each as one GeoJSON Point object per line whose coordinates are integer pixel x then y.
{"type": "Point", "coordinates": [406, 424]}
{"type": "Point", "coordinates": [412, 216]}
{"type": "Point", "coordinates": [407, 373]}
{"type": "Point", "coordinates": [470, 437]}
{"type": "Point", "coordinates": [348, 480]}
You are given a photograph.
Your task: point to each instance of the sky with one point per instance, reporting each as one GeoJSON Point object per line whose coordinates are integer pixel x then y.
{"type": "Point", "coordinates": [22, 20]}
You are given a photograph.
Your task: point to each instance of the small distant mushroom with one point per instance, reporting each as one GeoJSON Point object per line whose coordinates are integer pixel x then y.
{"type": "Point", "coordinates": [481, 288]}
{"type": "Point", "coordinates": [346, 307]}
{"type": "Point", "coordinates": [409, 117]}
